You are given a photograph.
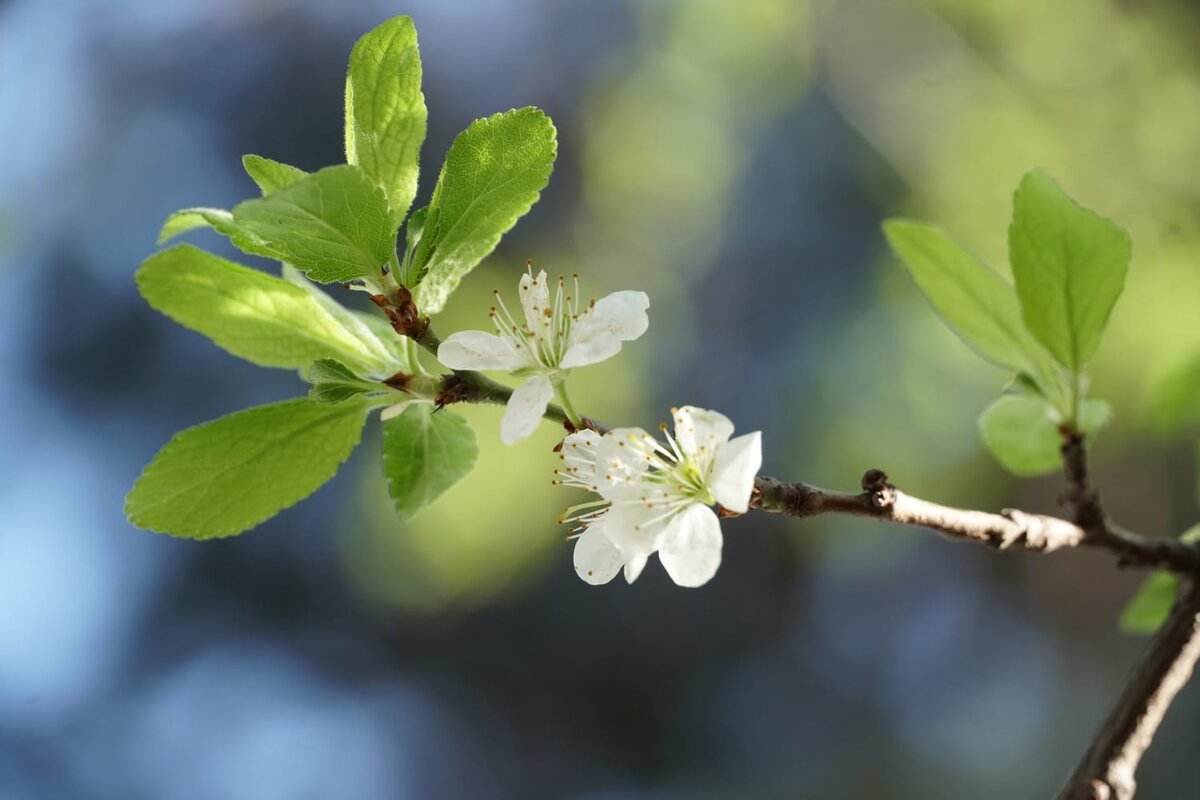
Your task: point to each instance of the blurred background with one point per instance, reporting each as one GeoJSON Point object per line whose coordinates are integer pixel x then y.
{"type": "Point", "coordinates": [734, 160]}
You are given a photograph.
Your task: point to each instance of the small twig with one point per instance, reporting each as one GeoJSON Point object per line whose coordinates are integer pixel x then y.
{"type": "Point", "coordinates": [1080, 498]}
{"type": "Point", "coordinates": [1106, 771]}
{"type": "Point", "coordinates": [1009, 530]}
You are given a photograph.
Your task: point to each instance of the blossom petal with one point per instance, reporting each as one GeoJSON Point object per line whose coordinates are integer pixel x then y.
{"type": "Point", "coordinates": [691, 546]}
{"type": "Point", "coordinates": [619, 317]}
{"type": "Point", "coordinates": [623, 314]}
{"type": "Point", "coordinates": [525, 409]}
{"type": "Point", "coordinates": [480, 350]}
{"type": "Point", "coordinates": [622, 461]}
{"type": "Point", "coordinates": [579, 456]}
{"type": "Point", "coordinates": [597, 560]}
{"type": "Point", "coordinates": [734, 469]}
{"type": "Point", "coordinates": [634, 567]}
{"type": "Point", "coordinates": [634, 527]}
{"type": "Point", "coordinates": [535, 299]}
{"type": "Point", "coordinates": [699, 432]}
{"type": "Point", "coordinates": [590, 349]}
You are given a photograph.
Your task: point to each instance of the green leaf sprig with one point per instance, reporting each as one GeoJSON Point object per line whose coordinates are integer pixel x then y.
{"type": "Point", "coordinates": [339, 224]}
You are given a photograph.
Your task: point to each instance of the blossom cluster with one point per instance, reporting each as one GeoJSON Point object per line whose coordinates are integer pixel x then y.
{"type": "Point", "coordinates": [656, 498]}
{"type": "Point", "coordinates": [652, 496]}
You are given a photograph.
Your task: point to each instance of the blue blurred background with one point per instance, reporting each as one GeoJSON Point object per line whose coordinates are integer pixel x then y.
{"type": "Point", "coordinates": [734, 160]}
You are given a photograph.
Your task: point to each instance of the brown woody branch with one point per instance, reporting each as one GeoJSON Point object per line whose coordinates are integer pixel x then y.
{"type": "Point", "coordinates": [1106, 771]}
{"type": "Point", "coordinates": [1009, 530]}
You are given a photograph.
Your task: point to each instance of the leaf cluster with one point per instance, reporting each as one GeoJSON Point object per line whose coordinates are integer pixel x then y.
{"type": "Point", "coordinates": [1068, 266]}
{"type": "Point", "coordinates": [337, 225]}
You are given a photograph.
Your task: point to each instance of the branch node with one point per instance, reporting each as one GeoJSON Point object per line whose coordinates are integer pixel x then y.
{"type": "Point", "coordinates": [882, 494]}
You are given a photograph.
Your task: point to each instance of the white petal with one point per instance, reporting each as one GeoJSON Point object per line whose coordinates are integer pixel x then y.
{"type": "Point", "coordinates": [691, 546]}
{"type": "Point", "coordinates": [480, 350]}
{"type": "Point", "coordinates": [535, 298]}
{"type": "Point", "coordinates": [590, 349]}
{"type": "Point", "coordinates": [697, 428]}
{"type": "Point", "coordinates": [620, 317]}
{"type": "Point", "coordinates": [634, 528]}
{"type": "Point", "coordinates": [596, 559]}
{"type": "Point", "coordinates": [525, 409]}
{"type": "Point", "coordinates": [621, 461]}
{"type": "Point", "coordinates": [734, 469]}
{"type": "Point", "coordinates": [579, 455]}
{"type": "Point", "coordinates": [634, 567]}
{"type": "Point", "coordinates": [396, 409]}
{"type": "Point", "coordinates": [623, 314]}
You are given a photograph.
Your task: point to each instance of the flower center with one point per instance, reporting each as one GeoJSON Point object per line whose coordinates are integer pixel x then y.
{"type": "Point", "coordinates": [547, 328]}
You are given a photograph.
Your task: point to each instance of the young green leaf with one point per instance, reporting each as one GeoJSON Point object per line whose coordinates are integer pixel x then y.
{"type": "Point", "coordinates": [330, 370]}
{"type": "Point", "coordinates": [332, 382]}
{"type": "Point", "coordinates": [493, 174]}
{"type": "Point", "coordinates": [1069, 264]}
{"type": "Point", "coordinates": [270, 175]}
{"type": "Point", "coordinates": [333, 224]}
{"type": "Point", "coordinates": [371, 330]}
{"type": "Point", "coordinates": [385, 111]}
{"type": "Point", "coordinates": [424, 454]}
{"type": "Point", "coordinates": [192, 218]}
{"type": "Point", "coordinates": [228, 475]}
{"type": "Point", "coordinates": [1148, 609]}
{"type": "Point", "coordinates": [977, 304]}
{"type": "Point", "coordinates": [413, 229]}
{"type": "Point", "coordinates": [1022, 432]}
{"type": "Point", "coordinates": [255, 316]}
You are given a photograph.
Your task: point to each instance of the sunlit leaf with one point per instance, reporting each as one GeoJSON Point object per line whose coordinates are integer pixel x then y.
{"type": "Point", "coordinates": [493, 174]}
{"type": "Point", "coordinates": [228, 475]}
{"type": "Point", "coordinates": [1022, 432]}
{"type": "Point", "coordinates": [192, 218]}
{"type": "Point", "coordinates": [385, 111]}
{"type": "Point", "coordinates": [977, 304]}
{"type": "Point", "coordinates": [270, 175]}
{"type": "Point", "coordinates": [424, 454]}
{"type": "Point", "coordinates": [1069, 265]}
{"type": "Point", "coordinates": [258, 317]}
{"type": "Point", "coordinates": [333, 225]}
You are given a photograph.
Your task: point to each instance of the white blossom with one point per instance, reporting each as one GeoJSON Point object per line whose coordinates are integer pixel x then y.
{"type": "Point", "coordinates": [656, 498]}
{"type": "Point", "coordinates": [552, 338]}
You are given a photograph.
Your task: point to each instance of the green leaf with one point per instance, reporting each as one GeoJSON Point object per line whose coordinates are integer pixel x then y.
{"type": "Point", "coordinates": [270, 175]}
{"type": "Point", "coordinates": [192, 218]}
{"type": "Point", "coordinates": [255, 316]}
{"type": "Point", "coordinates": [228, 475]}
{"type": "Point", "coordinates": [977, 304]}
{"type": "Point", "coordinates": [332, 382]}
{"type": "Point", "coordinates": [370, 329]}
{"type": "Point", "coordinates": [412, 237]}
{"type": "Point", "coordinates": [333, 224]}
{"type": "Point", "coordinates": [1148, 609]}
{"type": "Point", "coordinates": [493, 174]}
{"type": "Point", "coordinates": [1022, 432]}
{"type": "Point", "coordinates": [424, 454]}
{"type": "Point", "coordinates": [1069, 264]}
{"type": "Point", "coordinates": [385, 111]}
{"type": "Point", "coordinates": [330, 370]}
